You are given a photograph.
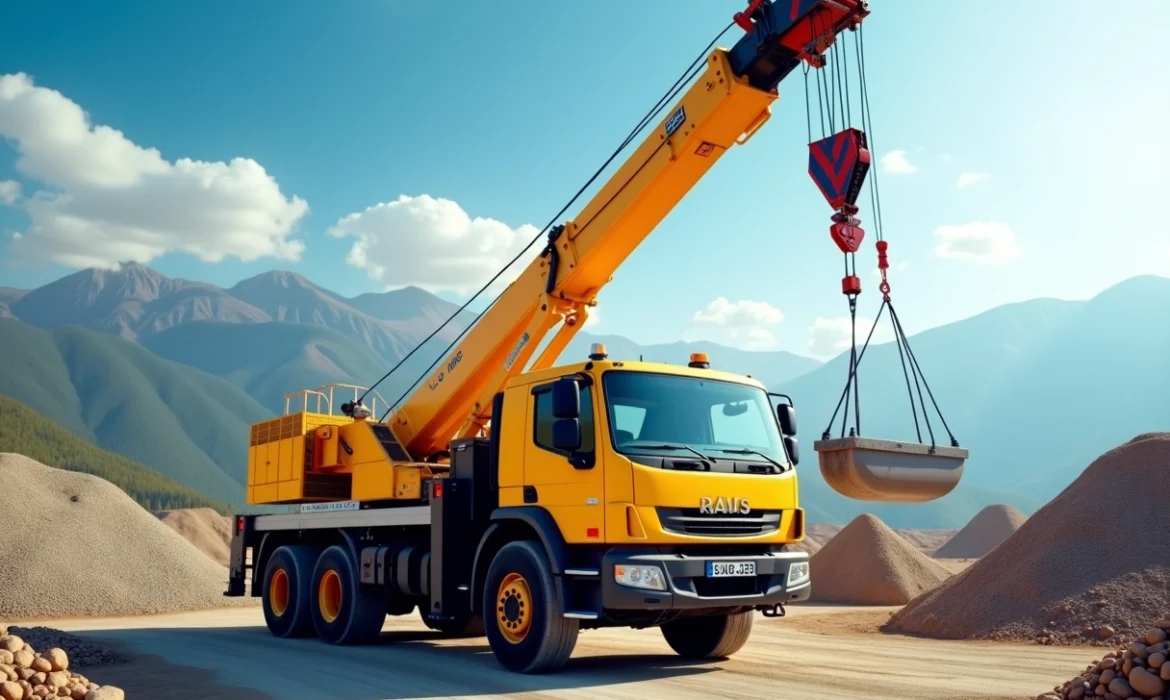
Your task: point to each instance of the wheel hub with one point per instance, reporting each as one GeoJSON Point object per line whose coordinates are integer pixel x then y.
{"type": "Point", "coordinates": [514, 608]}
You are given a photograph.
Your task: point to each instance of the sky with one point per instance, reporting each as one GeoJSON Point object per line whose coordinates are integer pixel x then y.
{"type": "Point", "coordinates": [1020, 153]}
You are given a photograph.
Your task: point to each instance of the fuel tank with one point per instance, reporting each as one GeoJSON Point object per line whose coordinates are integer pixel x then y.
{"type": "Point", "coordinates": [891, 471]}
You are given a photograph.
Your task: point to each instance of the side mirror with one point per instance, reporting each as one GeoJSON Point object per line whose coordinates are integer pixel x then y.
{"type": "Point", "coordinates": [566, 399]}
{"type": "Point", "coordinates": [792, 447]}
{"type": "Point", "coordinates": [786, 414]}
{"type": "Point", "coordinates": [566, 434]}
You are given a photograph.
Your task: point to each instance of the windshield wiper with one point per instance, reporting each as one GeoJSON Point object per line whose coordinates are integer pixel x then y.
{"type": "Point", "coordinates": [747, 451]}
{"type": "Point", "coordinates": [670, 446]}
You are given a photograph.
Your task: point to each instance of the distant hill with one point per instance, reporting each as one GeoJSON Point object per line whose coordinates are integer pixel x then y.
{"type": "Point", "coordinates": [26, 432]}
{"type": "Point", "coordinates": [773, 368]}
{"type": "Point", "coordinates": [136, 302]}
{"type": "Point", "coordinates": [1034, 389]}
{"type": "Point", "coordinates": [184, 423]}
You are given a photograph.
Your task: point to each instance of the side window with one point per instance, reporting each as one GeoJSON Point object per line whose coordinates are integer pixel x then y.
{"type": "Point", "coordinates": [544, 420]}
{"type": "Point", "coordinates": [738, 424]}
{"type": "Point", "coordinates": [627, 423]}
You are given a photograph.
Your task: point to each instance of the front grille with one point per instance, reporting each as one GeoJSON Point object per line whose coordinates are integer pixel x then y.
{"type": "Point", "coordinates": [689, 521]}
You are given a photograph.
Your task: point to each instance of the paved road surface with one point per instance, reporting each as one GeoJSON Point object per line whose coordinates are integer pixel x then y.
{"type": "Point", "coordinates": [784, 659]}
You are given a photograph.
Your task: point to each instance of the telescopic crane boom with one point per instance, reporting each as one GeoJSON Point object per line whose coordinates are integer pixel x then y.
{"type": "Point", "coordinates": [724, 107]}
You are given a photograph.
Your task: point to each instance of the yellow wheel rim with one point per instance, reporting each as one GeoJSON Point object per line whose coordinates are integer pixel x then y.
{"type": "Point", "coordinates": [329, 596]}
{"type": "Point", "coordinates": [514, 608]}
{"type": "Point", "coordinates": [278, 592]}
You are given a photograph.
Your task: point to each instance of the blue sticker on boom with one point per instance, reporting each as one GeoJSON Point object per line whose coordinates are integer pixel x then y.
{"type": "Point", "coordinates": [676, 120]}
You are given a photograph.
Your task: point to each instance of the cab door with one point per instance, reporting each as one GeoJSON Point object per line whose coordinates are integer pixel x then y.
{"type": "Point", "coordinates": [570, 486]}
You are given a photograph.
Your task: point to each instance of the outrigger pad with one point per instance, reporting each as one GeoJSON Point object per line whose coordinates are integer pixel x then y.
{"type": "Point", "coordinates": [891, 471]}
{"type": "Point", "coordinates": [838, 164]}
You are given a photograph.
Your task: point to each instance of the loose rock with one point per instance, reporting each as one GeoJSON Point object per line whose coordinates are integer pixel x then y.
{"type": "Point", "coordinates": [106, 692]}
{"type": "Point", "coordinates": [11, 691]}
{"type": "Point", "coordinates": [1146, 683]}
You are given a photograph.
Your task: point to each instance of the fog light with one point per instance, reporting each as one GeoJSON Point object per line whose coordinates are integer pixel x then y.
{"type": "Point", "coordinates": [797, 573]}
{"type": "Point", "coordinates": [648, 577]}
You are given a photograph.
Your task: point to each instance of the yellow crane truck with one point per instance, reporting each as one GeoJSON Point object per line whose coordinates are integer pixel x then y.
{"type": "Point", "coordinates": [512, 498]}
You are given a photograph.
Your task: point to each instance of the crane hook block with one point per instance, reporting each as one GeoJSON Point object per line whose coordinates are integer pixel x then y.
{"type": "Point", "coordinates": [838, 164]}
{"type": "Point", "coordinates": [847, 236]}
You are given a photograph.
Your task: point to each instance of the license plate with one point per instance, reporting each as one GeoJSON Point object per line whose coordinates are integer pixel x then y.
{"type": "Point", "coordinates": [720, 569]}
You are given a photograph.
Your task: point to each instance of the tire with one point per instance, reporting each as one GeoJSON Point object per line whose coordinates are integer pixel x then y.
{"type": "Point", "coordinates": [709, 637]}
{"type": "Point", "coordinates": [534, 637]}
{"type": "Point", "coordinates": [287, 590]}
{"type": "Point", "coordinates": [344, 612]}
{"type": "Point", "coordinates": [473, 627]}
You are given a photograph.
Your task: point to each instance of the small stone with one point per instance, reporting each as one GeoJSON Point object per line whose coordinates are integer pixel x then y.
{"type": "Point", "coordinates": [1139, 650]}
{"type": "Point", "coordinates": [78, 692]}
{"type": "Point", "coordinates": [1100, 691]}
{"type": "Point", "coordinates": [1165, 672]}
{"type": "Point", "coordinates": [1077, 693]}
{"type": "Point", "coordinates": [1127, 666]}
{"type": "Point", "coordinates": [23, 659]}
{"type": "Point", "coordinates": [5, 657]}
{"type": "Point", "coordinates": [59, 679]}
{"type": "Point", "coordinates": [11, 691]}
{"type": "Point", "coordinates": [1111, 696]}
{"type": "Point", "coordinates": [1155, 636]}
{"type": "Point", "coordinates": [1107, 676]}
{"type": "Point", "coordinates": [1163, 624]}
{"type": "Point", "coordinates": [1108, 663]}
{"type": "Point", "coordinates": [37, 678]}
{"type": "Point", "coordinates": [106, 692]}
{"type": "Point", "coordinates": [1146, 683]}
{"type": "Point", "coordinates": [11, 643]}
{"type": "Point", "coordinates": [24, 673]}
{"type": "Point", "coordinates": [57, 658]}
{"type": "Point", "coordinates": [41, 664]}
{"type": "Point", "coordinates": [1105, 632]}
{"type": "Point", "coordinates": [40, 691]}
{"type": "Point", "coordinates": [1156, 660]}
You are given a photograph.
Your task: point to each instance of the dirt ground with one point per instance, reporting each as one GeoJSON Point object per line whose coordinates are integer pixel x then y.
{"type": "Point", "coordinates": [817, 651]}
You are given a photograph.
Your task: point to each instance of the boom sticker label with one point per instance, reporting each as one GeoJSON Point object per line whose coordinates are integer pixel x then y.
{"type": "Point", "coordinates": [676, 120]}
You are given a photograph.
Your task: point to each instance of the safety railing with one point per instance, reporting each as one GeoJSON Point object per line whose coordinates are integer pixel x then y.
{"type": "Point", "coordinates": [322, 399]}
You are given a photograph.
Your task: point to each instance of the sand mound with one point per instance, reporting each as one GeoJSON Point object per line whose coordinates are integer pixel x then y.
{"type": "Point", "coordinates": [867, 563]}
{"type": "Point", "coordinates": [1092, 565]}
{"type": "Point", "coordinates": [987, 529]}
{"type": "Point", "coordinates": [210, 532]}
{"type": "Point", "coordinates": [73, 544]}
{"type": "Point", "coordinates": [816, 536]}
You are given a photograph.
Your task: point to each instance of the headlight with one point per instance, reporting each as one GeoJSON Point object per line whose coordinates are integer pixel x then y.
{"type": "Point", "coordinates": [797, 573]}
{"type": "Point", "coordinates": [649, 577]}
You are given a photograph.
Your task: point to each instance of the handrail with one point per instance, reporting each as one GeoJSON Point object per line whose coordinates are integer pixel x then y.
{"type": "Point", "coordinates": [325, 394]}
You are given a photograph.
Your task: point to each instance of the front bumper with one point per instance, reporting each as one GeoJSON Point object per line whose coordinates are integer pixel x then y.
{"type": "Point", "coordinates": [689, 588]}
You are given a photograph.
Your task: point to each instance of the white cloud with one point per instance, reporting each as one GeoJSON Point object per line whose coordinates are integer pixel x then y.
{"type": "Point", "coordinates": [984, 242]}
{"type": "Point", "coordinates": [109, 199]}
{"type": "Point", "coordinates": [432, 243]}
{"type": "Point", "coordinates": [829, 337]}
{"type": "Point", "coordinates": [738, 314]}
{"type": "Point", "coordinates": [743, 324]}
{"type": "Point", "coordinates": [968, 179]}
{"type": "Point", "coordinates": [897, 163]}
{"type": "Point", "coordinates": [9, 192]}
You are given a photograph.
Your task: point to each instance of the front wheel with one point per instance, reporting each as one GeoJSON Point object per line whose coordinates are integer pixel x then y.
{"type": "Point", "coordinates": [524, 618]}
{"type": "Point", "coordinates": [709, 637]}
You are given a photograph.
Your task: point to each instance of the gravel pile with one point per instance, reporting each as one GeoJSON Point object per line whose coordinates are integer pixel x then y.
{"type": "Point", "coordinates": [76, 545]}
{"type": "Point", "coordinates": [1139, 670]}
{"type": "Point", "coordinates": [26, 674]}
{"type": "Point", "coordinates": [867, 563]}
{"type": "Point", "coordinates": [210, 532]}
{"type": "Point", "coordinates": [816, 536]}
{"type": "Point", "coordinates": [985, 532]}
{"type": "Point", "coordinates": [1092, 566]}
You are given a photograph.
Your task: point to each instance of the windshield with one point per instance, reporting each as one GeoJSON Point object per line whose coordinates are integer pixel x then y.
{"type": "Point", "coordinates": [721, 419]}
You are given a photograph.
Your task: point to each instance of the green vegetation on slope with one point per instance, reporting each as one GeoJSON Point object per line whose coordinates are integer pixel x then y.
{"type": "Point", "coordinates": [183, 423]}
{"type": "Point", "coordinates": [25, 432]}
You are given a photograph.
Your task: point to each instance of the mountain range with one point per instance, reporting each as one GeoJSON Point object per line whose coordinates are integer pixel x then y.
{"type": "Point", "coordinates": [171, 372]}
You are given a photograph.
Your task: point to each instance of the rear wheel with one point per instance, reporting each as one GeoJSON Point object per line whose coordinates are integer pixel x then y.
{"type": "Point", "coordinates": [287, 590]}
{"type": "Point", "coordinates": [344, 611]}
{"type": "Point", "coordinates": [709, 637]}
{"type": "Point", "coordinates": [527, 629]}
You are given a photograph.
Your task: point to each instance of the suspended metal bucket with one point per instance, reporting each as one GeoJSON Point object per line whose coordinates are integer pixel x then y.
{"type": "Point", "coordinates": [869, 469]}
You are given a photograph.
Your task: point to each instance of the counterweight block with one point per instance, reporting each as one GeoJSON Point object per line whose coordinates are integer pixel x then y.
{"type": "Point", "coordinates": [890, 471]}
